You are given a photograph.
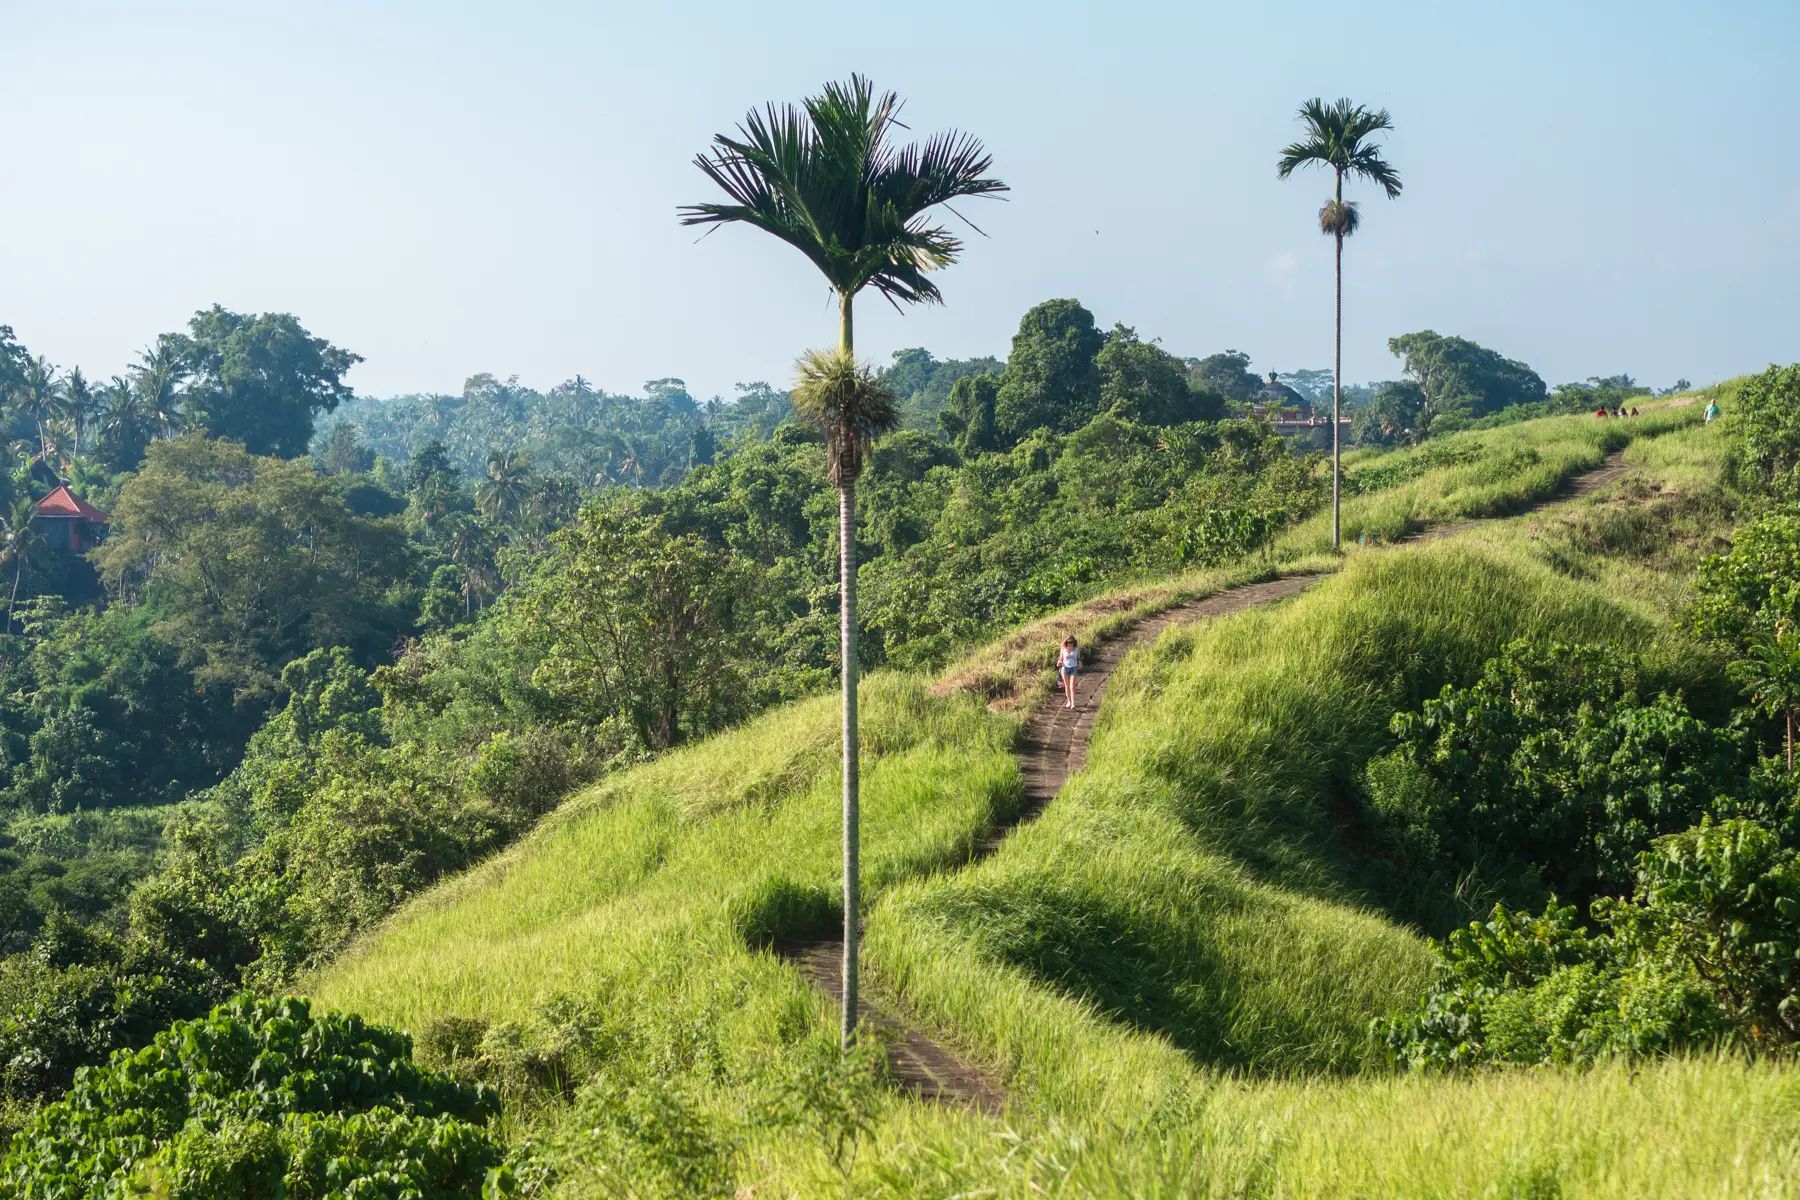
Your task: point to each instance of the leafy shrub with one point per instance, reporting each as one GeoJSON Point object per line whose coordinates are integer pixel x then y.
{"type": "Point", "coordinates": [1552, 772]}
{"type": "Point", "coordinates": [262, 1098]}
{"type": "Point", "coordinates": [1518, 988]}
{"type": "Point", "coordinates": [79, 995]}
{"type": "Point", "coordinates": [1706, 950]}
{"type": "Point", "coordinates": [1722, 902]}
{"type": "Point", "coordinates": [1768, 421]}
{"type": "Point", "coordinates": [1222, 534]}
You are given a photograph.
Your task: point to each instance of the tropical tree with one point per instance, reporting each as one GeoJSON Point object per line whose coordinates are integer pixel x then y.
{"type": "Point", "coordinates": [123, 422]}
{"type": "Point", "coordinates": [38, 394]}
{"type": "Point", "coordinates": [79, 404]}
{"type": "Point", "coordinates": [502, 494]}
{"type": "Point", "coordinates": [1337, 136]}
{"type": "Point", "coordinates": [824, 178]}
{"type": "Point", "coordinates": [160, 372]}
{"type": "Point", "coordinates": [22, 547]}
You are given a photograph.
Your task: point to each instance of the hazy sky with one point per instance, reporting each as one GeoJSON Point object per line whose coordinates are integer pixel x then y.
{"type": "Point", "coordinates": [449, 188]}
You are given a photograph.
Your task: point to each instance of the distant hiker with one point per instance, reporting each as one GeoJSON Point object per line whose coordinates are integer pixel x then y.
{"type": "Point", "coordinates": [1068, 666]}
{"type": "Point", "coordinates": [1712, 410]}
{"type": "Point", "coordinates": [1601, 411]}
{"type": "Point", "coordinates": [1634, 411]}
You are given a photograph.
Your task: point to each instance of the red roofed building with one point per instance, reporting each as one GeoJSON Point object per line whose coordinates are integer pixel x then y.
{"type": "Point", "coordinates": [68, 522]}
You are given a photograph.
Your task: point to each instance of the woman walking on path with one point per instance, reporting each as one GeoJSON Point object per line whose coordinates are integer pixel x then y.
{"type": "Point", "coordinates": [1068, 666]}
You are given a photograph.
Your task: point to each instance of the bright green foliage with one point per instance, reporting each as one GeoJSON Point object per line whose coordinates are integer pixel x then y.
{"type": "Point", "coordinates": [1753, 591]}
{"type": "Point", "coordinates": [1227, 374]}
{"type": "Point", "coordinates": [261, 380]}
{"type": "Point", "coordinates": [1461, 381]}
{"type": "Point", "coordinates": [1007, 537]}
{"type": "Point", "coordinates": [99, 710]}
{"type": "Point", "coordinates": [1722, 902]}
{"type": "Point", "coordinates": [1479, 474]}
{"type": "Point", "coordinates": [81, 994]}
{"type": "Point", "coordinates": [252, 561]}
{"type": "Point", "coordinates": [1766, 411]}
{"type": "Point", "coordinates": [644, 627]}
{"type": "Point", "coordinates": [1552, 771]}
{"type": "Point", "coordinates": [1706, 950]}
{"type": "Point", "coordinates": [1051, 381]}
{"type": "Point", "coordinates": [1391, 417]}
{"type": "Point", "coordinates": [1224, 534]}
{"type": "Point", "coordinates": [261, 1099]}
{"type": "Point", "coordinates": [1747, 602]}
{"type": "Point", "coordinates": [1140, 381]}
{"type": "Point", "coordinates": [923, 383]}
{"type": "Point", "coordinates": [969, 419]}
{"type": "Point", "coordinates": [1525, 989]}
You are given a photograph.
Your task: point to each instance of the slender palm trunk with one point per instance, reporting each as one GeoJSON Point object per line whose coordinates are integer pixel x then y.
{"type": "Point", "coordinates": [19, 573]}
{"type": "Point", "coordinates": [847, 653]}
{"type": "Point", "coordinates": [1337, 379]}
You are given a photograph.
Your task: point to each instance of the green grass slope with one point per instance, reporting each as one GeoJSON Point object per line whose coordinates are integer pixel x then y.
{"type": "Point", "coordinates": [1171, 970]}
{"type": "Point", "coordinates": [1485, 473]}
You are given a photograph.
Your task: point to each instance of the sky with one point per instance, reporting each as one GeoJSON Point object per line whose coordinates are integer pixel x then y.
{"type": "Point", "coordinates": [449, 188]}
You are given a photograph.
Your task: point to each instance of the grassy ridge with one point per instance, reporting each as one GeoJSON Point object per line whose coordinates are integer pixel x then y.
{"type": "Point", "coordinates": [1171, 968]}
{"type": "Point", "coordinates": [1195, 882]}
{"type": "Point", "coordinates": [1502, 471]}
{"type": "Point", "coordinates": [671, 859]}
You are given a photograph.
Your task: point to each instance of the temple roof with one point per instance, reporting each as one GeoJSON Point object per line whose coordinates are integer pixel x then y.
{"type": "Point", "coordinates": [64, 503]}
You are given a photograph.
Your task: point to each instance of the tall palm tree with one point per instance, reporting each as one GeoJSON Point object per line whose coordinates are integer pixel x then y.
{"type": "Point", "coordinates": [1337, 136]}
{"type": "Point", "coordinates": [121, 412]}
{"type": "Point", "coordinates": [160, 372]}
{"type": "Point", "coordinates": [38, 394]}
{"type": "Point", "coordinates": [79, 404]}
{"type": "Point", "coordinates": [503, 492]}
{"type": "Point", "coordinates": [824, 178]}
{"type": "Point", "coordinates": [21, 546]}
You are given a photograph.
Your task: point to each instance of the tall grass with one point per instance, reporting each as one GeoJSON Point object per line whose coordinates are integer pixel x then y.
{"type": "Point", "coordinates": [1170, 970]}
{"type": "Point", "coordinates": [661, 869]}
{"type": "Point", "coordinates": [1505, 471]}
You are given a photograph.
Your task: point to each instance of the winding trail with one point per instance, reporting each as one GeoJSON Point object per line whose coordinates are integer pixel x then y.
{"type": "Point", "coordinates": [1051, 747]}
{"type": "Point", "coordinates": [1611, 469]}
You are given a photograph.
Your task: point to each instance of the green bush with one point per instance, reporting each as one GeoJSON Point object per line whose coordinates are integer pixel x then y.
{"type": "Point", "coordinates": [79, 995]}
{"type": "Point", "coordinates": [262, 1098]}
{"type": "Point", "coordinates": [1707, 950]}
{"type": "Point", "coordinates": [1553, 770]}
{"type": "Point", "coordinates": [1722, 902]}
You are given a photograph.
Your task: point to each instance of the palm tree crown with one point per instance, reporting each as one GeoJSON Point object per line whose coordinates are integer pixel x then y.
{"type": "Point", "coordinates": [1337, 137]}
{"type": "Point", "coordinates": [823, 178]}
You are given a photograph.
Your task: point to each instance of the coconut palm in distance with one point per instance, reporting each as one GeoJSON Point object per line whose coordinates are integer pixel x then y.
{"type": "Point", "coordinates": [1337, 136]}
{"type": "Point", "coordinates": [824, 178]}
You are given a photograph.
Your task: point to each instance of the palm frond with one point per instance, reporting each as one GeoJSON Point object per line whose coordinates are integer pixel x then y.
{"type": "Point", "coordinates": [1337, 137]}
{"type": "Point", "coordinates": [824, 177]}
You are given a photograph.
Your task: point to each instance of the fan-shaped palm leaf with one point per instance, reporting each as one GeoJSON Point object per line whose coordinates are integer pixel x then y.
{"type": "Point", "coordinates": [822, 177]}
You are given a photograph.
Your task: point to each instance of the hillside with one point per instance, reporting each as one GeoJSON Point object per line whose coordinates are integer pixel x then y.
{"type": "Point", "coordinates": [1169, 973]}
